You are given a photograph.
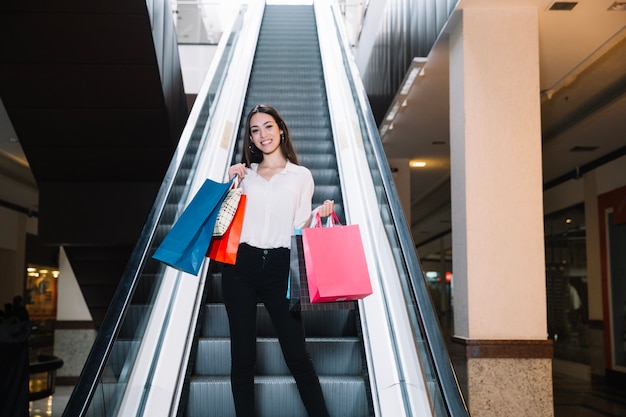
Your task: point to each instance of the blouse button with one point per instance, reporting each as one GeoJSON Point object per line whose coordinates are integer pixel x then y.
{"type": "Point", "coordinates": [265, 252]}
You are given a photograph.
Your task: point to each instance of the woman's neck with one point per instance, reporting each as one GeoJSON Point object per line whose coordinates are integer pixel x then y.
{"type": "Point", "coordinates": [273, 161]}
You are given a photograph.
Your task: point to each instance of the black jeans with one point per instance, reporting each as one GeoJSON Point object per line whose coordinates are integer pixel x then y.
{"type": "Point", "coordinates": [262, 274]}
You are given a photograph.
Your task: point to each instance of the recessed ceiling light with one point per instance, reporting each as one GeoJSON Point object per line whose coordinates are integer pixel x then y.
{"type": "Point", "coordinates": [409, 81]}
{"type": "Point", "coordinates": [618, 6]}
{"type": "Point", "coordinates": [383, 130]}
{"type": "Point", "coordinates": [583, 149]}
{"type": "Point", "coordinates": [394, 110]}
{"type": "Point", "coordinates": [417, 164]}
{"type": "Point", "coordinates": [563, 5]}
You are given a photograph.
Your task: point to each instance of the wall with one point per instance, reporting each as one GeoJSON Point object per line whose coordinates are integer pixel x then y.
{"type": "Point", "coordinates": [195, 61]}
{"type": "Point", "coordinates": [72, 306]}
{"type": "Point", "coordinates": [586, 190]}
{"type": "Point", "coordinates": [13, 229]}
{"type": "Point", "coordinates": [74, 333]}
{"type": "Point", "coordinates": [608, 177]}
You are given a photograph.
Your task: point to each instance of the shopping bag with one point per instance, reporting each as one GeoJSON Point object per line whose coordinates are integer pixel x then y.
{"type": "Point", "coordinates": [224, 248]}
{"type": "Point", "coordinates": [227, 211]}
{"type": "Point", "coordinates": [185, 245]}
{"type": "Point", "coordinates": [295, 270]}
{"type": "Point", "coordinates": [335, 262]}
{"type": "Point", "coordinates": [298, 295]}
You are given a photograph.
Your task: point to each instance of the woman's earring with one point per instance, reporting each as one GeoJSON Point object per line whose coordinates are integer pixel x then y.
{"type": "Point", "coordinates": [251, 148]}
{"type": "Point", "coordinates": [282, 137]}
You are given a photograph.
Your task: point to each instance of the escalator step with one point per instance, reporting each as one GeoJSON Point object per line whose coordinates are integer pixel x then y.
{"type": "Point", "coordinates": [325, 176]}
{"type": "Point", "coordinates": [338, 323]}
{"type": "Point", "coordinates": [278, 397]}
{"type": "Point", "coordinates": [331, 356]}
{"type": "Point", "coordinates": [318, 161]}
{"type": "Point", "coordinates": [286, 73]}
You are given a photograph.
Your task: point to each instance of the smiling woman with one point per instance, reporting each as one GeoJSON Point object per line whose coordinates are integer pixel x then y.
{"type": "Point", "coordinates": [279, 195]}
{"type": "Point", "coordinates": [268, 132]}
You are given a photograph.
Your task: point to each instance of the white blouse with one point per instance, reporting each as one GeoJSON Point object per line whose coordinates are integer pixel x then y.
{"type": "Point", "coordinates": [276, 207]}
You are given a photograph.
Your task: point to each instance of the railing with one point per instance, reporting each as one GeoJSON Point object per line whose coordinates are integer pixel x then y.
{"type": "Point", "coordinates": [408, 339]}
{"type": "Point", "coordinates": [110, 372]}
{"type": "Point", "coordinates": [48, 365]}
{"type": "Point", "coordinates": [170, 330]}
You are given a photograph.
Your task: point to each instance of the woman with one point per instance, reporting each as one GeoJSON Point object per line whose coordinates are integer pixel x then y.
{"type": "Point", "coordinates": [278, 200]}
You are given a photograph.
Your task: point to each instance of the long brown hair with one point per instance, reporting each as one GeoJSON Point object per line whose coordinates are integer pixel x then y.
{"type": "Point", "coordinates": [251, 154]}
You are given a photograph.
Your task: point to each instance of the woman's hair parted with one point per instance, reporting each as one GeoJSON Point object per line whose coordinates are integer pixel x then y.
{"type": "Point", "coordinates": [251, 154]}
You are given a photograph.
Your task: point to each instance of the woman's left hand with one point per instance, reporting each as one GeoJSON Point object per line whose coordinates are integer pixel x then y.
{"type": "Point", "coordinates": [327, 208]}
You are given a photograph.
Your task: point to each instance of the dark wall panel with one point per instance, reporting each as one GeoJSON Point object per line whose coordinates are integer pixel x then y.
{"type": "Point", "coordinates": [99, 214]}
{"type": "Point", "coordinates": [39, 254]}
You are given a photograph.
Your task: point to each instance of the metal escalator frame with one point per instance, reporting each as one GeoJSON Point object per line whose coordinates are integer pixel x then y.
{"type": "Point", "coordinates": [202, 121]}
{"type": "Point", "coordinates": [397, 381]}
{"type": "Point", "coordinates": [422, 307]}
{"type": "Point", "coordinates": [301, 97]}
{"type": "Point", "coordinates": [163, 384]}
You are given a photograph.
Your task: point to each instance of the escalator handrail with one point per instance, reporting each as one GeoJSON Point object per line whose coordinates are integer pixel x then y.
{"type": "Point", "coordinates": [398, 364]}
{"type": "Point", "coordinates": [167, 347]}
{"type": "Point", "coordinates": [437, 348]}
{"type": "Point", "coordinates": [96, 361]}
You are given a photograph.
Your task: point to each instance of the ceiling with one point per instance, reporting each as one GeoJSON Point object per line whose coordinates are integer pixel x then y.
{"type": "Point", "coordinates": [583, 84]}
{"type": "Point", "coordinates": [583, 108]}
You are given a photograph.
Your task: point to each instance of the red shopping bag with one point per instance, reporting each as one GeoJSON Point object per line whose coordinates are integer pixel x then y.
{"type": "Point", "coordinates": [335, 262]}
{"type": "Point", "coordinates": [224, 248]}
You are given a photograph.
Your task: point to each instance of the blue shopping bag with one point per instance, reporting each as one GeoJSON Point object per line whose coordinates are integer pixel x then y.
{"type": "Point", "coordinates": [185, 245]}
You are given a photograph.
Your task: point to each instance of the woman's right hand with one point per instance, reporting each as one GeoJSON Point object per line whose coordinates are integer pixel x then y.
{"type": "Point", "coordinates": [237, 169]}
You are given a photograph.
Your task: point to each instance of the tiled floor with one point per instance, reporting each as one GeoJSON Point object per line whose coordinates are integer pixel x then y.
{"type": "Point", "coordinates": [573, 397]}
{"type": "Point", "coordinates": [52, 406]}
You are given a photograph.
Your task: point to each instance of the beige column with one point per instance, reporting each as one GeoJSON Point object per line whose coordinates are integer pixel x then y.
{"type": "Point", "coordinates": [499, 292]}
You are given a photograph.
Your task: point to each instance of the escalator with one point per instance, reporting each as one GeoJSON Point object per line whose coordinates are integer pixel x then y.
{"type": "Point", "coordinates": [164, 348]}
{"type": "Point", "coordinates": [286, 73]}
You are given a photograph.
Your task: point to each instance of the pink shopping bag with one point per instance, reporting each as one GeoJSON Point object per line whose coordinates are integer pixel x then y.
{"type": "Point", "coordinates": [335, 262]}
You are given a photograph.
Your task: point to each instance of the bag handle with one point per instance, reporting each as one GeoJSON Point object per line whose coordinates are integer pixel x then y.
{"type": "Point", "coordinates": [234, 182]}
{"type": "Point", "coordinates": [332, 220]}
